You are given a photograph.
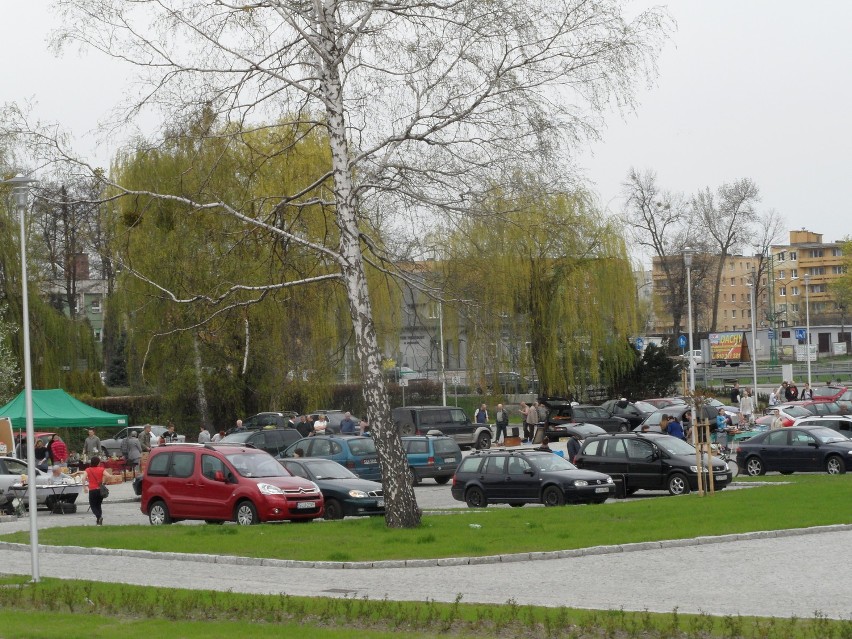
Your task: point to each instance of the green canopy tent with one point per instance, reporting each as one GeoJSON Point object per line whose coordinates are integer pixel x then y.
{"type": "Point", "coordinates": [57, 409]}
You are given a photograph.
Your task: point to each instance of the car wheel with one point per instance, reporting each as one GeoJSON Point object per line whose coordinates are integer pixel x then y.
{"type": "Point", "coordinates": [245, 514]}
{"type": "Point", "coordinates": [516, 505]}
{"type": "Point", "coordinates": [553, 496]}
{"type": "Point", "coordinates": [444, 479]}
{"type": "Point", "coordinates": [678, 484]}
{"type": "Point", "coordinates": [630, 491]}
{"type": "Point", "coordinates": [754, 467]}
{"type": "Point", "coordinates": [834, 465]}
{"type": "Point", "coordinates": [475, 498]}
{"type": "Point", "coordinates": [415, 480]}
{"type": "Point", "coordinates": [158, 513]}
{"type": "Point", "coordinates": [483, 442]}
{"type": "Point", "coordinates": [333, 509]}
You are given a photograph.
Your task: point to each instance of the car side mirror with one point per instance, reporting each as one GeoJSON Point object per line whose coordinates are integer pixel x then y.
{"type": "Point", "coordinates": [529, 471]}
{"type": "Point", "coordinates": [813, 444]}
{"type": "Point", "coordinates": [219, 476]}
{"type": "Point", "coordinates": [655, 456]}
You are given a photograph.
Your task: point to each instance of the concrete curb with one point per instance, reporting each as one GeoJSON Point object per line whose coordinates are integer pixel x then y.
{"type": "Point", "coordinates": [430, 563]}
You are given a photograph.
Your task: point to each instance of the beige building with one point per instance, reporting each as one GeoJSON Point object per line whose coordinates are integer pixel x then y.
{"type": "Point", "coordinates": [806, 257]}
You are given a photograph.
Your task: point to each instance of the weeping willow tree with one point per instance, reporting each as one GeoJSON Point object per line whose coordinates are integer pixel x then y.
{"type": "Point", "coordinates": [204, 326]}
{"type": "Point", "coordinates": [544, 281]}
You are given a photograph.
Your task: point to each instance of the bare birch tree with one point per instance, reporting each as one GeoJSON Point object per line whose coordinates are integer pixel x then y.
{"type": "Point", "coordinates": [728, 215]}
{"type": "Point", "coordinates": [422, 102]}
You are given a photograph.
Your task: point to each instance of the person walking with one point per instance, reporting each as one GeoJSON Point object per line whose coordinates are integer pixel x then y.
{"type": "Point", "coordinates": [735, 394]}
{"type": "Point", "coordinates": [574, 445]}
{"type": "Point", "coordinates": [145, 444]}
{"type": "Point", "coordinates": [347, 425]}
{"type": "Point", "coordinates": [721, 430]}
{"type": "Point", "coordinates": [203, 435]}
{"type": "Point", "coordinates": [807, 392]}
{"type": "Point", "coordinates": [530, 422]}
{"type": "Point", "coordinates": [502, 423]}
{"type": "Point", "coordinates": [481, 416]}
{"type": "Point", "coordinates": [42, 456]}
{"type": "Point", "coordinates": [92, 445]}
{"type": "Point", "coordinates": [170, 436]}
{"type": "Point", "coordinates": [134, 452]}
{"type": "Point", "coordinates": [94, 480]}
{"type": "Point", "coordinates": [746, 408]}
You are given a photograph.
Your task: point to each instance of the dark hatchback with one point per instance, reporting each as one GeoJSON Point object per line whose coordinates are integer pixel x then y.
{"type": "Point", "coordinates": [526, 476]}
{"type": "Point", "coordinates": [356, 453]}
{"type": "Point", "coordinates": [269, 439]}
{"type": "Point", "coordinates": [795, 449]}
{"type": "Point", "coordinates": [345, 494]}
{"type": "Point", "coordinates": [635, 413]}
{"type": "Point", "coordinates": [649, 461]}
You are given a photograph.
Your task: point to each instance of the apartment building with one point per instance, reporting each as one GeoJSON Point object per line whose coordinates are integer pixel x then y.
{"type": "Point", "coordinates": [806, 261]}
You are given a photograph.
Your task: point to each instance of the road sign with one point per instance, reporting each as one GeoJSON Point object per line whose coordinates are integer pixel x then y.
{"type": "Point", "coordinates": [455, 380]}
{"type": "Point", "coordinates": [800, 333]}
{"type": "Point", "coordinates": [681, 341]}
{"type": "Point", "coordinates": [403, 382]}
{"type": "Point", "coordinates": [640, 343]}
{"type": "Point", "coordinates": [771, 334]}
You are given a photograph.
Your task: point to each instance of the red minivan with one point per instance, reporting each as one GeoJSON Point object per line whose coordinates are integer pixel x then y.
{"type": "Point", "coordinates": [224, 482]}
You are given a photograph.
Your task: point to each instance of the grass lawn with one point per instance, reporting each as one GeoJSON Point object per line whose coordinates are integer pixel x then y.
{"type": "Point", "coordinates": [807, 500]}
{"type": "Point", "coordinates": [88, 610]}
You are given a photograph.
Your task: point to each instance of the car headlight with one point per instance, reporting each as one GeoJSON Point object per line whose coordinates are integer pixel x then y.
{"type": "Point", "coordinates": [609, 480]}
{"type": "Point", "coordinates": [727, 468]}
{"type": "Point", "coordinates": [581, 482]}
{"type": "Point", "coordinates": [357, 494]}
{"type": "Point", "coordinates": [269, 489]}
{"type": "Point", "coordinates": [693, 469]}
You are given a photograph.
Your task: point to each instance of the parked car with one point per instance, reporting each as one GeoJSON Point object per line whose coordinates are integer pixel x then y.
{"type": "Point", "coordinates": [271, 440]}
{"type": "Point", "coordinates": [112, 446]}
{"type": "Point", "coordinates": [345, 494]}
{"type": "Point", "coordinates": [788, 412]}
{"type": "Point", "coordinates": [705, 413]}
{"type": "Point", "coordinates": [663, 402]}
{"type": "Point", "coordinates": [795, 449]}
{"type": "Point", "coordinates": [561, 412]}
{"type": "Point", "coordinates": [648, 461]}
{"type": "Point", "coordinates": [633, 413]}
{"type": "Point", "coordinates": [697, 357]}
{"type": "Point", "coordinates": [526, 476]}
{"type": "Point", "coordinates": [840, 423]}
{"type": "Point", "coordinates": [584, 430]}
{"type": "Point", "coordinates": [11, 470]}
{"type": "Point", "coordinates": [273, 419]}
{"type": "Point", "coordinates": [449, 420]}
{"type": "Point", "coordinates": [820, 407]}
{"type": "Point", "coordinates": [356, 453]}
{"type": "Point", "coordinates": [432, 456]}
{"type": "Point", "coordinates": [839, 394]}
{"type": "Point", "coordinates": [224, 482]}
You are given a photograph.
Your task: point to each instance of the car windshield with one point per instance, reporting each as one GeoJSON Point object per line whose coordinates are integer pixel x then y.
{"type": "Point", "coordinates": [446, 446]}
{"type": "Point", "coordinates": [827, 436]}
{"type": "Point", "coordinates": [327, 469]}
{"type": "Point", "coordinates": [796, 411]}
{"type": "Point", "coordinates": [362, 446]}
{"type": "Point", "coordinates": [645, 407]}
{"type": "Point", "coordinates": [256, 465]}
{"type": "Point", "coordinates": [674, 446]}
{"type": "Point", "coordinates": [549, 461]}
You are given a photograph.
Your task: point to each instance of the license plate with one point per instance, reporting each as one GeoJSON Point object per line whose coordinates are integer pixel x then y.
{"type": "Point", "coordinates": [369, 461]}
{"type": "Point", "coordinates": [602, 490]}
{"type": "Point", "coordinates": [380, 503]}
{"type": "Point", "coordinates": [722, 477]}
{"type": "Point", "coordinates": [447, 460]}
{"type": "Point", "coordinates": [304, 505]}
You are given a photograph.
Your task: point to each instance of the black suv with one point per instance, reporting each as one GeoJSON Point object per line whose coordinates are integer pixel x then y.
{"type": "Point", "coordinates": [526, 476]}
{"type": "Point", "coordinates": [273, 440]}
{"type": "Point", "coordinates": [449, 420]}
{"type": "Point", "coordinates": [650, 461]}
{"type": "Point", "coordinates": [561, 412]}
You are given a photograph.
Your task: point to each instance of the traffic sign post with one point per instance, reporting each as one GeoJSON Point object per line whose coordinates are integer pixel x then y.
{"type": "Point", "coordinates": [681, 341]}
{"type": "Point", "coordinates": [640, 343]}
{"type": "Point", "coordinates": [801, 333]}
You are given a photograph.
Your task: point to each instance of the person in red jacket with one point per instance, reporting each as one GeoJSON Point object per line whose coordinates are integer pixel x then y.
{"type": "Point", "coordinates": [94, 479]}
{"type": "Point", "coordinates": [58, 450]}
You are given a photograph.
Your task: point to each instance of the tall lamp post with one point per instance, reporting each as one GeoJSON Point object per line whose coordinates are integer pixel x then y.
{"type": "Point", "coordinates": [808, 325]}
{"type": "Point", "coordinates": [20, 187]}
{"type": "Point", "coordinates": [754, 331]}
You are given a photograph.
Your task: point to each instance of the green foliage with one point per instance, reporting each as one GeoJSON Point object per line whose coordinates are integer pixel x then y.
{"type": "Point", "coordinates": [294, 336]}
{"type": "Point", "coordinates": [652, 375]}
{"type": "Point", "coordinates": [550, 271]}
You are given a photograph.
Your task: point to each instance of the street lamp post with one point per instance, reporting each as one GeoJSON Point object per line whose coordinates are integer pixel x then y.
{"type": "Point", "coordinates": [808, 325]}
{"type": "Point", "coordinates": [754, 332]}
{"type": "Point", "coordinates": [20, 187]}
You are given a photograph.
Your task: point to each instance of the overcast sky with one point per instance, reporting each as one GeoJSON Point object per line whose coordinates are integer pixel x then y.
{"type": "Point", "coordinates": [747, 88]}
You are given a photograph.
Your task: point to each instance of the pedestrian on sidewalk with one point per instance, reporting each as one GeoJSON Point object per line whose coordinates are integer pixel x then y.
{"type": "Point", "coordinates": [94, 480]}
{"type": "Point", "coordinates": [502, 423]}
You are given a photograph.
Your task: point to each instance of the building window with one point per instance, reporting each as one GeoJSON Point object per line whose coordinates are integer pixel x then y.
{"type": "Point", "coordinates": [815, 253]}
{"type": "Point", "coordinates": [836, 252]}
{"type": "Point", "coordinates": [793, 255]}
{"type": "Point", "coordinates": [733, 312]}
{"type": "Point", "coordinates": [782, 256]}
{"type": "Point", "coordinates": [98, 335]}
{"type": "Point", "coordinates": [818, 288]}
{"type": "Point", "coordinates": [732, 281]}
{"type": "Point", "coordinates": [782, 292]}
{"type": "Point", "coordinates": [794, 290]}
{"type": "Point", "coordinates": [781, 275]}
{"type": "Point", "coordinates": [725, 313]}
{"type": "Point", "coordinates": [838, 270]}
{"type": "Point", "coordinates": [817, 270]}
{"type": "Point", "coordinates": [749, 312]}
{"type": "Point", "coordinates": [794, 273]}
{"type": "Point", "coordinates": [794, 308]}
{"type": "Point", "coordinates": [96, 306]}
